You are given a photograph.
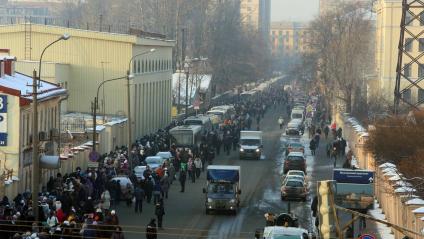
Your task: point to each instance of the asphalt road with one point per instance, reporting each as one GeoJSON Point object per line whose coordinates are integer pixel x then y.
{"type": "Point", "coordinates": [185, 212]}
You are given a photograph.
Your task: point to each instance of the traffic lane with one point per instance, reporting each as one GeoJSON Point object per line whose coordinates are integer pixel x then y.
{"type": "Point", "coordinates": [185, 212]}
{"type": "Point", "coordinates": [257, 178]}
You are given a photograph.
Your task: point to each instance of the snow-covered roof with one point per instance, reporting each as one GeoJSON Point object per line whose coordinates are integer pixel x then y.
{"type": "Point", "coordinates": [99, 128]}
{"type": "Point", "coordinates": [405, 190]}
{"type": "Point", "coordinates": [387, 165]}
{"type": "Point", "coordinates": [419, 210]}
{"type": "Point", "coordinates": [117, 121]}
{"type": "Point", "coordinates": [415, 201]}
{"type": "Point", "coordinates": [395, 178]}
{"type": "Point", "coordinates": [23, 84]}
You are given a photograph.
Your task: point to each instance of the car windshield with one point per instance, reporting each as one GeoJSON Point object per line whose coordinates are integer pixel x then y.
{"type": "Point", "coordinates": [253, 142]}
{"type": "Point", "coordinates": [296, 145]}
{"type": "Point", "coordinates": [193, 122]}
{"type": "Point", "coordinates": [225, 188]}
{"type": "Point", "coordinates": [294, 173]}
{"type": "Point", "coordinates": [297, 116]}
{"type": "Point", "coordinates": [293, 183]}
{"type": "Point", "coordinates": [295, 158]}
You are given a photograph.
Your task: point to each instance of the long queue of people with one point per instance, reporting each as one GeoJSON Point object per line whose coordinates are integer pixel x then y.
{"type": "Point", "coordinates": [83, 203]}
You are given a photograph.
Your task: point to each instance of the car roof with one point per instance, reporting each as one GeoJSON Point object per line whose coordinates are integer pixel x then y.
{"type": "Point", "coordinates": [296, 154]}
{"type": "Point", "coordinates": [154, 157]}
{"type": "Point", "coordinates": [296, 171]}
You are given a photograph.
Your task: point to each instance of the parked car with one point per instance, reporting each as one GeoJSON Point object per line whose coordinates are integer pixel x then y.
{"type": "Point", "coordinates": [295, 161]}
{"type": "Point", "coordinates": [139, 171]}
{"type": "Point", "coordinates": [295, 147]}
{"type": "Point", "coordinates": [154, 162]}
{"type": "Point", "coordinates": [294, 188]}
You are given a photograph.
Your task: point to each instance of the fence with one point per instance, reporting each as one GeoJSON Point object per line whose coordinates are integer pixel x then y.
{"type": "Point", "coordinates": [394, 195]}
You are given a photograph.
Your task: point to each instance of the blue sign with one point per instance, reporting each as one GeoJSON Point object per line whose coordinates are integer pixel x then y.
{"type": "Point", "coordinates": [353, 176]}
{"type": "Point", "coordinates": [3, 139]}
{"type": "Point", "coordinates": [3, 103]}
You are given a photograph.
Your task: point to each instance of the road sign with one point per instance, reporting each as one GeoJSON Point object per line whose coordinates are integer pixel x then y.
{"type": "Point", "coordinates": [353, 176]}
{"type": "Point", "coordinates": [367, 236]}
{"type": "Point", "coordinates": [94, 156]}
{"type": "Point", "coordinates": [196, 104]}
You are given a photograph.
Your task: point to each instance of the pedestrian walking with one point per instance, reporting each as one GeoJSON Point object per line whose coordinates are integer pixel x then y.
{"type": "Point", "coordinates": [117, 234]}
{"type": "Point", "coordinates": [157, 192]}
{"type": "Point", "coordinates": [149, 189]}
{"type": "Point", "coordinates": [191, 169]}
{"type": "Point", "coordinates": [160, 211]}
{"type": "Point", "coordinates": [183, 177]}
{"type": "Point", "coordinates": [151, 230]}
{"type": "Point", "coordinates": [312, 146]}
{"type": "Point", "coordinates": [198, 166]}
{"type": "Point", "coordinates": [165, 184]}
{"type": "Point", "coordinates": [139, 196]}
{"type": "Point", "coordinates": [326, 131]}
{"type": "Point", "coordinates": [281, 121]}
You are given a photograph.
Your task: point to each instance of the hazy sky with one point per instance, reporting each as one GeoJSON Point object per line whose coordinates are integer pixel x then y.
{"type": "Point", "coordinates": [294, 10]}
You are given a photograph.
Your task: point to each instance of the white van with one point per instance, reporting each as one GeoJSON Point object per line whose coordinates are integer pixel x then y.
{"type": "Point", "coordinates": [298, 114]}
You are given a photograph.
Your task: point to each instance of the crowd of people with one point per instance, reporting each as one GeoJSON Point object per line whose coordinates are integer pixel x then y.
{"type": "Point", "coordinates": [83, 203]}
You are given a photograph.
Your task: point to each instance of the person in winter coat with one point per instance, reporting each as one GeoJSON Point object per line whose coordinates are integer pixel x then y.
{"type": "Point", "coordinates": [191, 170]}
{"type": "Point", "coordinates": [183, 177]}
{"type": "Point", "coordinates": [157, 192]}
{"type": "Point", "coordinates": [165, 184]}
{"type": "Point", "coordinates": [281, 121]}
{"type": "Point", "coordinates": [105, 200]}
{"type": "Point", "coordinates": [118, 234]}
{"type": "Point", "coordinates": [326, 131]}
{"type": "Point", "coordinates": [149, 189]}
{"type": "Point", "coordinates": [312, 146]}
{"type": "Point", "coordinates": [198, 166]}
{"type": "Point", "coordinates": [159, 212]}
{"type": "Point", "coordinates": [151, 230]}
{"type": "Point", "coordinates": [139, 196]}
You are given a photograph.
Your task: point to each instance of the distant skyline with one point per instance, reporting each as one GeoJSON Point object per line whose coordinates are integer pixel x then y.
{"type": "Point", "coordinates": [294, 10]}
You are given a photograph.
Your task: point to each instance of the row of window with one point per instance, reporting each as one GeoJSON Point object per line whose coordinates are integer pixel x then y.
{"type": "Point", "coordinates": [408, 96]}
{"type": "Point", "coordinates": [280, 33]}
{"type": "Point", "coordinates": [145, 66]}
{"type": "Point", "coordinates": [408, 69]}
{"type": "Point", "coordinates": [409, 44]}
{"type": "Point", "coordinates": [47, 118]}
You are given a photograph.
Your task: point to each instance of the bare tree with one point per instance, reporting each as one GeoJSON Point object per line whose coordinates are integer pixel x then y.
{"type": "Point", "coordinates": [341, 42]}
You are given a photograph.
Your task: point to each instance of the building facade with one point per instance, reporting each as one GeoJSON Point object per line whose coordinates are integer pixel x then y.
{"type": "Point", "coordinates": [256, 14]}
{"type": "Point", "coordinates": [91, 57]}
{"type": "Point", "coordinates": [389, 14]}
{"type": "Point", "coordinates": [326, 6]}
{"type": "Point", "coordinates": [16, 122]}
{"type": "Point", "coordinates": [289, 38]}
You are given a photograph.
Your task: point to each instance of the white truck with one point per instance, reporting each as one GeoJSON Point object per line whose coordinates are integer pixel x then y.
{"type": "Point", "coordinates": [250, 144]}
{"type": "Point", "coordinates": [222, 192]}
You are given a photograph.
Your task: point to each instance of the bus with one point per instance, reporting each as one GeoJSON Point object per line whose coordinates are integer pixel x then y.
{"type": "Point", "coordinates": [187, 136]}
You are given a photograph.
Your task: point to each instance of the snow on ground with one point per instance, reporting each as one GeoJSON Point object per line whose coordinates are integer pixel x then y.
{"type": "Point", "coordinates": [382, 231]}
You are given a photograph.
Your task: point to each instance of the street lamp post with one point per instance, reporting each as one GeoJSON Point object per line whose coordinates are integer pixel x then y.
{"type": "Point", "coordinates": [129, 103]}
{"type": "Point", "coordinates": [35, 154]}
{"type": "Point", "coordinates": [187, 72]}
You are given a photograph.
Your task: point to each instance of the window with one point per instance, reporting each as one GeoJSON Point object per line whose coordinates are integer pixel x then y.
{"type": "Point", "coordinates": [421, 95]}
{"type": "Point", "coordinates": [406, 95]}
{"type": "Point", "coordinates": [421, 45]}
{"type": "Point", "coordinates": [420, 70]}
{"type": "Point", "coordinates": [407, 70]}
{"type": "Point", "coordinates": [408, 44]}
{"type": "Point", "coordinates": [150, 66]}
{"type": "Point", "coordinates": [408, 19]}
{"type": "Point", "coordinates": [421, 18]}
{"type": "Point", "coordinates": [138, 69]}
{"type": "Point", "coordinates": [280, 32]}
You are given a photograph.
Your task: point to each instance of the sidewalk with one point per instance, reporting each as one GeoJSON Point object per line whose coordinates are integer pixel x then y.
{"type": "Point", "coordinates": [379, 230]}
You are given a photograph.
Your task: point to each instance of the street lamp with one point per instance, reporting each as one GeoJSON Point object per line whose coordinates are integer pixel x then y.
{"type": "Point", "coordinates": [35, 157]}
{"type": "Point", "coordinates": [129, 103]}
{"type": "Point", "coordinates": [187, 62]}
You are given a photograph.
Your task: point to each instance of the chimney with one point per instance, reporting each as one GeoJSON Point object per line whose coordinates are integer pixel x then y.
{"type": "Point", "coordinates": [9, 65]}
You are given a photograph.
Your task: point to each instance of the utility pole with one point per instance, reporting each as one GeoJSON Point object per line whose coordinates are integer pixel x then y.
{"type": "Point", "coordinates": [129, 120]}
{"type": "Point", "coordinates": [35, 159]}
{"type": "Point", "coordinates": [94, 107]}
